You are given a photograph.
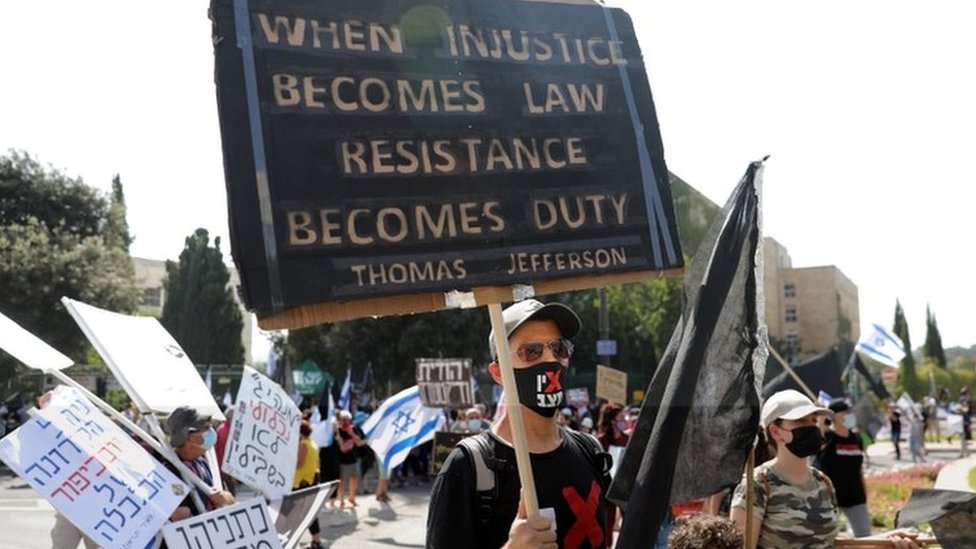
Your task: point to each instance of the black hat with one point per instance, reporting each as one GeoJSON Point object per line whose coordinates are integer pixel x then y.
{"type": "Point", "coordinates": [839, 405]}
{"type": "Point", "coordinates": [182, 422]}
{"type": "Point", "coordinates": [531, 309]}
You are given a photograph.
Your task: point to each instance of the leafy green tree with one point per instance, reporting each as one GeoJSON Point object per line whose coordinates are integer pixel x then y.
{"type": "Point", "coordinates": [53, 244]}
{"type": "Point", "coordinates": [908, 378]}
{"type": "Point", "coordinates": [933, 341]}
{"type": "Point", "coordinates": [391, 344]}
{"type": "Point", "coordinates": [200, 311]}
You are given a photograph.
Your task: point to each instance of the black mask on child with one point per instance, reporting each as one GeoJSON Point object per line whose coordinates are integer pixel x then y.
{"type": "Point", "coordinates": [806, 441]}
{"type": "Point", "coordinates": [540, 387]}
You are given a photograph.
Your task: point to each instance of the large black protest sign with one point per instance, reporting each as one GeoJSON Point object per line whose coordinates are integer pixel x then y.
{"type": "Point", "coordinates": [377, 149]}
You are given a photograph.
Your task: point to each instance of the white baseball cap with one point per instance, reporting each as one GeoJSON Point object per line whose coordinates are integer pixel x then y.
{"type": "Point", "coordinates": [789, 404]}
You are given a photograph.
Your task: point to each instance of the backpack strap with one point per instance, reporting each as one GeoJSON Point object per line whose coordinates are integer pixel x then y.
{"type": "Point", "coordinates": [481, 455]}
{"type": "Point", "coordinates": [600, 461]}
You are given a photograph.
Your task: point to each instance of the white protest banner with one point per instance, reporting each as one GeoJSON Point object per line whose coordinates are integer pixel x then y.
{"type": "Point", "coordinates": [145, 358]}
{"type": "Point", "coordinates": [28, 348]}
{"type": "Point", "coordinates": [262, 449]}
{"type": "Point", "coordinates": [92, 472]}
{"type": "Point", "coordinates": [244, 524]}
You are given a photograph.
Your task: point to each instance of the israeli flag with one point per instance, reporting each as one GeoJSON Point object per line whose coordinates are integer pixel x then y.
{"type": "Point", "coordinates": [323, 430]}
{"type": "Point", "coordinates": [881, 345]}
{"type": "Point", "coordinates": [401, 423]}
{"type": "Point", "coordinates": [824, 398]}
{"type": "Point", "coordinates": [346, 389]}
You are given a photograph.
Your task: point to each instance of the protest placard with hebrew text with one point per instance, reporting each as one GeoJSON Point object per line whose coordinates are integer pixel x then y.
{"type": "Point", "coordinates": [92, 472]}
{"type": "Point", "coordinates": [262, 449]}
{"type": "Point", "coordinates": [445, 382]}
{"type": "Point", "coordinates": [244, 524]}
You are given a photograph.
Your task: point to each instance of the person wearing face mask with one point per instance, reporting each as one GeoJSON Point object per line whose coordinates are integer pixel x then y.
{"type": "Point", "coordinates": [795, 504]}
{"type": "Point", "coordinates": [842, 460]}
{"type": "Point", "coordinates": [568, 485]}
{"type": "Point", "coordinates": [191, 435]}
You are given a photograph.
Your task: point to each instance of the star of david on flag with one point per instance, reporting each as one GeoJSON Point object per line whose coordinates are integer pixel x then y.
{"type": "Point", "coordinates": [399, 424]}
{"type": "Point", "coordinates": [882, 345]}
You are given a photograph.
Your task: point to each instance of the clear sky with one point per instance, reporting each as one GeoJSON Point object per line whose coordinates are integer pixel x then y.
{"type": "Point", "coordinates": [866, 107]}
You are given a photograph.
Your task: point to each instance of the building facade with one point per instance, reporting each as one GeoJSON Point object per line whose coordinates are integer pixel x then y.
{"type": "Point", "coordinates": [809, 310]}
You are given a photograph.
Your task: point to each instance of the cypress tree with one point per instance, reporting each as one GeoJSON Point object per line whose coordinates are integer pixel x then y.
{"type": "Point", "coordinates": [909, 378]}
{"type": "Point", "coordinates": [200, 311]}
{"type": "Point", "coordinates": [933, 341]}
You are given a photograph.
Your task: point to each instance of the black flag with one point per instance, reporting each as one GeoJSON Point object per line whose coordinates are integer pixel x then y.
{"type": "Point", "coordinates": [820, 373]}
{"type": "Point", "coordinates": [952, 515]}
{"type": "Point", "coordinates": [701, 413]}
{"type": "Point", "coordinates": [877, 387]}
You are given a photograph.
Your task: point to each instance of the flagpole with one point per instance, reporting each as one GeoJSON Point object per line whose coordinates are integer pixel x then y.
{"type": "Point", "coordinates": [750, 497]}
{"type": "Point", "coordinates": [789, 369]}
{"type": "Point", "coordinates": [513, 410]}
{"type": "Point", "coordinates": [142, 434]}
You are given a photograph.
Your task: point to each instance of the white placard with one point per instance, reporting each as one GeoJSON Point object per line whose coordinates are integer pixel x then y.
{"type": "Point", "coordinates": [244, 524]}
{"type": "Point", "coordinates": [262, 449]}
{"type": "Point", "coordinates": [92, 472]}
{"type": "Point", "coordinates": [28, 348]}
{"type": "Point", "coordinates": [145, 358]}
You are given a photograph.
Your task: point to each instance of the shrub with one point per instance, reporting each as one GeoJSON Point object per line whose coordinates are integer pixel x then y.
{"type": "Point", "coordinates": [889, 491]}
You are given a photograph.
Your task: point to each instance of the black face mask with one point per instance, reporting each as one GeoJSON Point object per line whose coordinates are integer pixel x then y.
{"type": "Point", "coordinates": [806, 441]}
{"type": "Point", "coordinates": [540, 387]}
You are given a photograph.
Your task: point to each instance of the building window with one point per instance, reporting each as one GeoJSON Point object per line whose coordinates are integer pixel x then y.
{"type": "Point", "coordinates": [793, 342]}
{"type": "Point", "coordinates": [790, 314]}
{"type": "Point", "coordinates": [789, 289]}
{"type": "Point", "coordinates": [151, 297]}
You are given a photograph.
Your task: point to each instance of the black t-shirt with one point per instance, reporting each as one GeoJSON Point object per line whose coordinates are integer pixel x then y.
{"type": "Point", "coordinates": [565, 481]}
{"type": "Point", "coordinates": [841, 461]}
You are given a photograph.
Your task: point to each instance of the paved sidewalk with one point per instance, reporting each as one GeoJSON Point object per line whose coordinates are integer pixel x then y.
{"type": "Point", "coordinates": [954, 476]}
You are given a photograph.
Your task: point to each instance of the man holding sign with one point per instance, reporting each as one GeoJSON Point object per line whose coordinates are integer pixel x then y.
{"type": "Point", "coordinates": [475, 500]}
{"type": "Point", "coordinates": [191, 435]}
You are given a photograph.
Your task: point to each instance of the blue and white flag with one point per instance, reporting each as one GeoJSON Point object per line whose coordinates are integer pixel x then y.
{"type": "Point", "coordinates": [824, 398]}
{"type": "Point", "coordinates": [323, 429]}
{"type": "Point", "coordinates": [882, 345]}
{"type": "Point", "coordinates": [401, 423]}
{"type": "Point", "coordinates": [346, 389]}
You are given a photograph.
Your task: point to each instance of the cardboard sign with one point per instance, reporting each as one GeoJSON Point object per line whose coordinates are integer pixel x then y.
{"type": "Point", "coordinates": [92, 472]}
{"type": "Point", "coordinates": [244, 524]}
{"type": "Point", "coordinates": [377, 149]}
{"type": "Point", "coordinates": [445, 382]}
{"type": "Point", "coordinates": [262, 449]}
{"type": "Point", "coordinates": [611, 384]}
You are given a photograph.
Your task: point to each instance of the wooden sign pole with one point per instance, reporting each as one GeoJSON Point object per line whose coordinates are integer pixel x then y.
{"type": "Point", "coordinates": [514, 411]}
{"type": "Point", "coordinates": [789, 369]}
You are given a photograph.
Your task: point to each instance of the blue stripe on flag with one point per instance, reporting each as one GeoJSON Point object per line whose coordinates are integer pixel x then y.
{"type": "Point", "coordinates": [393, 407]}
{"type": "Point", "coordinates": [410, 442]}
{"type": "Point", "coordinates": [875, 352]}
{"type": "Point", "coordinates": [889, 336]}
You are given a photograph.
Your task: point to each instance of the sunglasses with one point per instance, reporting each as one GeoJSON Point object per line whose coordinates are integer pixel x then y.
{"type": "Point", "coordinates": [533, 350]}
